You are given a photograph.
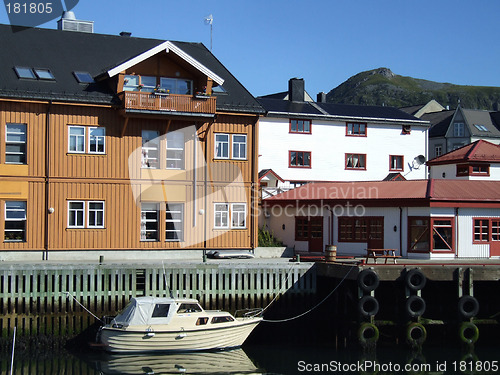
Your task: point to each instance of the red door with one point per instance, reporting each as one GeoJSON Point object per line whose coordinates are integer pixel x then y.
{"type": "Point", "coordinates": [495, 238]}
{"type": "Point", "coordinates": [315, 234]}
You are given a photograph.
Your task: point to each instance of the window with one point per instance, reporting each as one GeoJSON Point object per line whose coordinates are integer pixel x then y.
{"type": "Point", "coordinates": [301, 228]}
{"type": "Point", "coordinates": [221, 219]}
{"type": "Point", "coordinates": [160, 310]}
{"type": "Point", "coordinates": [95, 217]}
{"type": "Point", "coordinates": [438, 150]}
{"type": "Point", "coordinates": [131, 83]}
{"type": "Point", "coordinates": [83, 77]}
{"type": "Point", "coordinates": [239, 146]}
{"type": "Point", "coordinates": [93, 211]}
{"type": "Point", "coordinates": [76, 139]}
{"type": "Point", "coordinates": [473, 170]}
{"type": "Point", "coordinates": [189, 308]}
{"type": "Point", "coordinates": [299, 159]}
{"type": "Point", "coordinates": [356, 129]}
{"type": "Point", "coordinates": [406, 129]}
{"type": "Point", "coordinates": [149, 221]}
{"type": "Point", "coordinates": [442, 234]}
{"type": "Point", "coordinates": [360, 229]}
{"type": "Point", "coordinates": [44, 74]}
{"type": "Point", "coordinates": [175, 150]}
{"type": "Point", "coordinates": [238, 215]}
{"type": "Point", "coordinates": [418, 234]}
{"type": "Point", "coordinates": [174, 222]}
{"type": "Point", "coordinates": [15, 221]}
{"type": "Point", "coordinates": [481, 128]}
{"type": "Point", "coordinates": [97, 138]}
{"type": "Point", "coordinates": [150, 147]}
{"type": "Point", "coordinates": [23, 72]}
{"type": "Point", "coordinates": [177, 85]}
{"type": "Point", "coordinates": [355, 161]}
{"type": "Point", "coordinates": [15, 144]}
{"type": "Point", "coordinates": [396, 163]}
{"type": "Point", "coordinates": [481, 230]}
{"type": "Point", "coordinates": [147, 84]}
{"type": "Point", "coordinates": [76, 214]}
{"type": "Point", "coordinates": [300, 126]}
{"type": "Point", "coordinates": [222, 319]}
{"type": "Point", "coordinates": [458, 129]}
{"type": "Point", "coordinates": [222, 146]}
{"type": "Point", "coordinates": [495, 229]}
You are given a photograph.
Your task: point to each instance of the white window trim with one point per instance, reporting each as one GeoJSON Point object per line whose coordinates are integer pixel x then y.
{"type": "Point", "coordinates": [97, 139]}
{"type": "Point", "coordinates": [228, 146]}
{"type": "Point", "coordinates": [84, 207]}
{"type": "Point", "coordinates": [148, 146]}
{"type": "Point", "coordinates": [157, 221]}
{"type": "Point", "coordinates": [181, 229]}
{"type": "Point", "coordinates": [6, 219]}
{"type": "Point", "coordinates": [69, 139]}
{"type": "Point", "coordinates": [103, 214]}
{"type": "Point", "coordinates": [239, 212]}
{"type": "Point", "coordinates": [7, 142]}
{"type": "Point", "coordinates": [239, 143]}
{"type": "Point", "coordinates": [183, 149]}
{"type": "Point", "coordinates": [228, 216]}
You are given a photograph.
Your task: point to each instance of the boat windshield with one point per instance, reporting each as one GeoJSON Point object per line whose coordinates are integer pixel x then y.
{"type": "Point", "coordinates": [160, 310]}
{"type": "Point", "coordinates": [188, 308]}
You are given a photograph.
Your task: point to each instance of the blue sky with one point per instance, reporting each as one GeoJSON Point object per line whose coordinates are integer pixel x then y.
{"type": "Point", "coordinates": [266, 42]}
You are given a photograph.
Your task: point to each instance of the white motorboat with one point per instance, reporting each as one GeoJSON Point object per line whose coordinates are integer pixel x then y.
{"type": "Point", "coordinates": [153, 324]}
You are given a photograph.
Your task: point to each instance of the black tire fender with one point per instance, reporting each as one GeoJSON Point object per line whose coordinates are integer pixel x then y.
{"type": "Point", "coordinates": [368, 306]}
{"type": "Point", "coordinates": [415, 306]}
{"type": "Point", "coordinates": [368, 280]}
{"type": "Point", "coordinates": [415, 279]}
{"type": "Point", "coordinates": [468, 307]}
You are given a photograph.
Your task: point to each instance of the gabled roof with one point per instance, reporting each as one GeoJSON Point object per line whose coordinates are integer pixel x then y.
{"type": "Point", "coordinates": [64, 52]}
{"type": "Point", "coordinates": [285, 95]}
{"type": "Point", "coordinates": [479, 151]}
{"type": "Point", "coordinates": [263, 173]}
{"type": "Point", "coordinates": [419, 110]}
{"type": "Point", "coordinates": [332, 111]}
{"type": "Point", "coordinates": [392, 193]}
{"type": "Point", "coordinates": [476, 119]}
{"type": "Point", "coordinates": [440, 122]}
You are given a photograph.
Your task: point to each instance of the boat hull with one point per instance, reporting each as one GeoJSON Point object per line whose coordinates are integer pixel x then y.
{"type": "Point", "coordinates": [217, 338]}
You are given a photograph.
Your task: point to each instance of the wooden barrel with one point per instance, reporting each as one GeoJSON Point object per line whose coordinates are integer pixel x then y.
{"type": "Point", "coordinates": [330, 253]}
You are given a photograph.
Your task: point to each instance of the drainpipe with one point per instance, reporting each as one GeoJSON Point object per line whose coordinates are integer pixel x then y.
{"type": "Point", "coordinates": [401, 231]}
{"type": "Point", "coordinates": [45, 254]}
{"type": "Point", "coordinates": [456, 230]}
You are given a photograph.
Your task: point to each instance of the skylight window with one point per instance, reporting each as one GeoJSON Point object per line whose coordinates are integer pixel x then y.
{"type": "Point", "coordinates": [481, 128]}
{"type": "Point", "coordinates": [23, 72]}
{"type": "Point", "coordinates": [44, 74]}
{"type": "Point", "coordinates": [83, 77]}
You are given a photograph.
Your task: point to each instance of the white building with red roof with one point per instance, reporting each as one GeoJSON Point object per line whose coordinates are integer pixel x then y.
{"type": "Point", "coordinates": [476, 161]}
{"type": "Point", "coordinates": [427, 219]}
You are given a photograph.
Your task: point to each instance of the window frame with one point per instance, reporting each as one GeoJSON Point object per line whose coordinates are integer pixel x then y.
{"type": "Point", "coordinates": [290, 127]}
{"type": "Point", "coordinates": [145, 221]}
{"type": "Point", "coordinates": [182, 160]}
{"type": "Point", "coordinates": [70, 127]}
{"type": "Point", "coordinates": [221, 214]}
{"type": "Point", "coordinates": [218, 143]}
{"type": "Point", "coordinates": [426, 233]}
{"type": "Point", "coordinates": [239, 213]}
{"type": "Point", "coordinates": [488, 234]}
{"type": "Point", "coordinates": [102, 210]}
{"type": "Point", "coordinates": [365, 225]}
{"type": "Point", "coordinates": [464, 170]}
{"type": "Point", "coordinates": [233, 143]}
{"type": "Point", "coordinates": [451, 248]}
{"type": "Point", "coordinates": [405, 129]}
{"type": "Point", "coordinates": [347, 155]}
{"type": "Point", "coordinates": [436, 152]}
{"type": "Point", "coordinates": [145, 159]}
{"type": "Point", "coordinates": [23, 144]}
{"type": "Point", "coordinates": [97, 138]}
{"type": "Point", "coordinates": [76, 226]}
{"type": "Point", "coordinates": [303, 166]}
{"type": "Point", "coordinates": [458, 129]}
{"type": "Point", "coordinates": [178, 228]}
{"type": "Point", "coordinates": [10, 220]}
{"type": "Point", "coordinates": [391, 167]}
{"type": "Point", "coordinates": [44, 74]}
{"type": "Point", "coordinates": [20, 75]}
{"type": "Point", "coordinates": [351, 133]}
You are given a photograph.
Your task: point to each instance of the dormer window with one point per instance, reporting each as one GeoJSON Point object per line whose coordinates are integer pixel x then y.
{"type": "Point", "coordinates": [44, 74]}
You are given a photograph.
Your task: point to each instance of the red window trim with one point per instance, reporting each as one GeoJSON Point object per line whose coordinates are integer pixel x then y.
{"type": "Point", "coordinates": [481, 242]}
{"type": "Point", "coordinates": [452, 220]}
{"type": "Point", "coordinates": [351, 220]}
{"type": "Point", "coordinates": [410, 218]}
{"type": "Point", "coordinates": [352, 168]}
{"type": "Point", "coordinates": [299, 166]}
{"type": "Point", "coordinates": [297, 132]}
{"type": "Point", "coordinates": [405, 129]}
{"type": "Point", "coordinates": [402, 163]}
{"type": "Point", "coordinates": [356, 135]}
{"type": "Point", "coordinates": [297, 219]}
{"type": "Point", "coordinates": [470, 170]}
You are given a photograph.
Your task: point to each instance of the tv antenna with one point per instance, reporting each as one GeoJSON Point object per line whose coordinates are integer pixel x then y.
{"type": "Point", "coordinates": [209, 20]}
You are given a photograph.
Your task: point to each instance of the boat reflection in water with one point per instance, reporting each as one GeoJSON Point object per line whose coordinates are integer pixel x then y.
{"type": "Point", "coordinates": [221, 362]}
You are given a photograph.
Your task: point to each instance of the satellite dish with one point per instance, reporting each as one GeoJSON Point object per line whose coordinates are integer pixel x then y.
{"type": "Point", "coordinates": [417, 162]}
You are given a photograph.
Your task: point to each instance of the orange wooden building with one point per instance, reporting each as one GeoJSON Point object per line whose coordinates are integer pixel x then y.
{"type": "Point", "coordinates": [122, 147]}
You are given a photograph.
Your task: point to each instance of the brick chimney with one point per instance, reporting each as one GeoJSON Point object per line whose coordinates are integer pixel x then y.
{"type": "Point", "coordinates": [321, 97]}
{"type": "Point", "coordinates": [296, 89]}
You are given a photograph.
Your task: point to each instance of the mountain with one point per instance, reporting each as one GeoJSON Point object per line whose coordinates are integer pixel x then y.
{"type": "Point", "coordinates": [382, 87]}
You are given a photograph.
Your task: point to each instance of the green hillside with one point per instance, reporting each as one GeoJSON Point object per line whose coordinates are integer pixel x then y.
{"type": "Point", "coordinates": [383, 87]}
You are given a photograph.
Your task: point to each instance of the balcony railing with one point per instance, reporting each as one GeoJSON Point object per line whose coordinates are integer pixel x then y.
{"type": "Point", "coordinates": [168, 102]}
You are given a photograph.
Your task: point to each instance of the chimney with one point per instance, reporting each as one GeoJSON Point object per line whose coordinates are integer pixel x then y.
{"type": "Point", "coordinates": [68, 22]}
{"type": "Point", "coordinates": [126, 34]}
{"type": "Point", "coordinates": [321, 97]}
{"type": "Point", "coordinates": [296, 88]}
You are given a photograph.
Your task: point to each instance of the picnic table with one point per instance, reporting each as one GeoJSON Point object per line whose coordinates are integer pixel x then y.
{"type": "Point", "coordinates": [385, 254]}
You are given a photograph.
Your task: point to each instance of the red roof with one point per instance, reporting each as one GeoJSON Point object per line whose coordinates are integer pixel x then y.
{"type": "Point", "coordinates": [411, 190]}
{"type": "Point", "coordinates": [479, 151]}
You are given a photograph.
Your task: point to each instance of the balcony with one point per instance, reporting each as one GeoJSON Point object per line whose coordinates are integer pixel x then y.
{"type": "Point", "coordinates": [167, 103]}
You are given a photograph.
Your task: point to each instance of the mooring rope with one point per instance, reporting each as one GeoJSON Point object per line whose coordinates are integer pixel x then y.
{"type": "Point", "coordinates": [281, 290]}
{"type": "Point", "coordinates": [87, 310]}
{"type": "Point", "coordinates": [314, 307]}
